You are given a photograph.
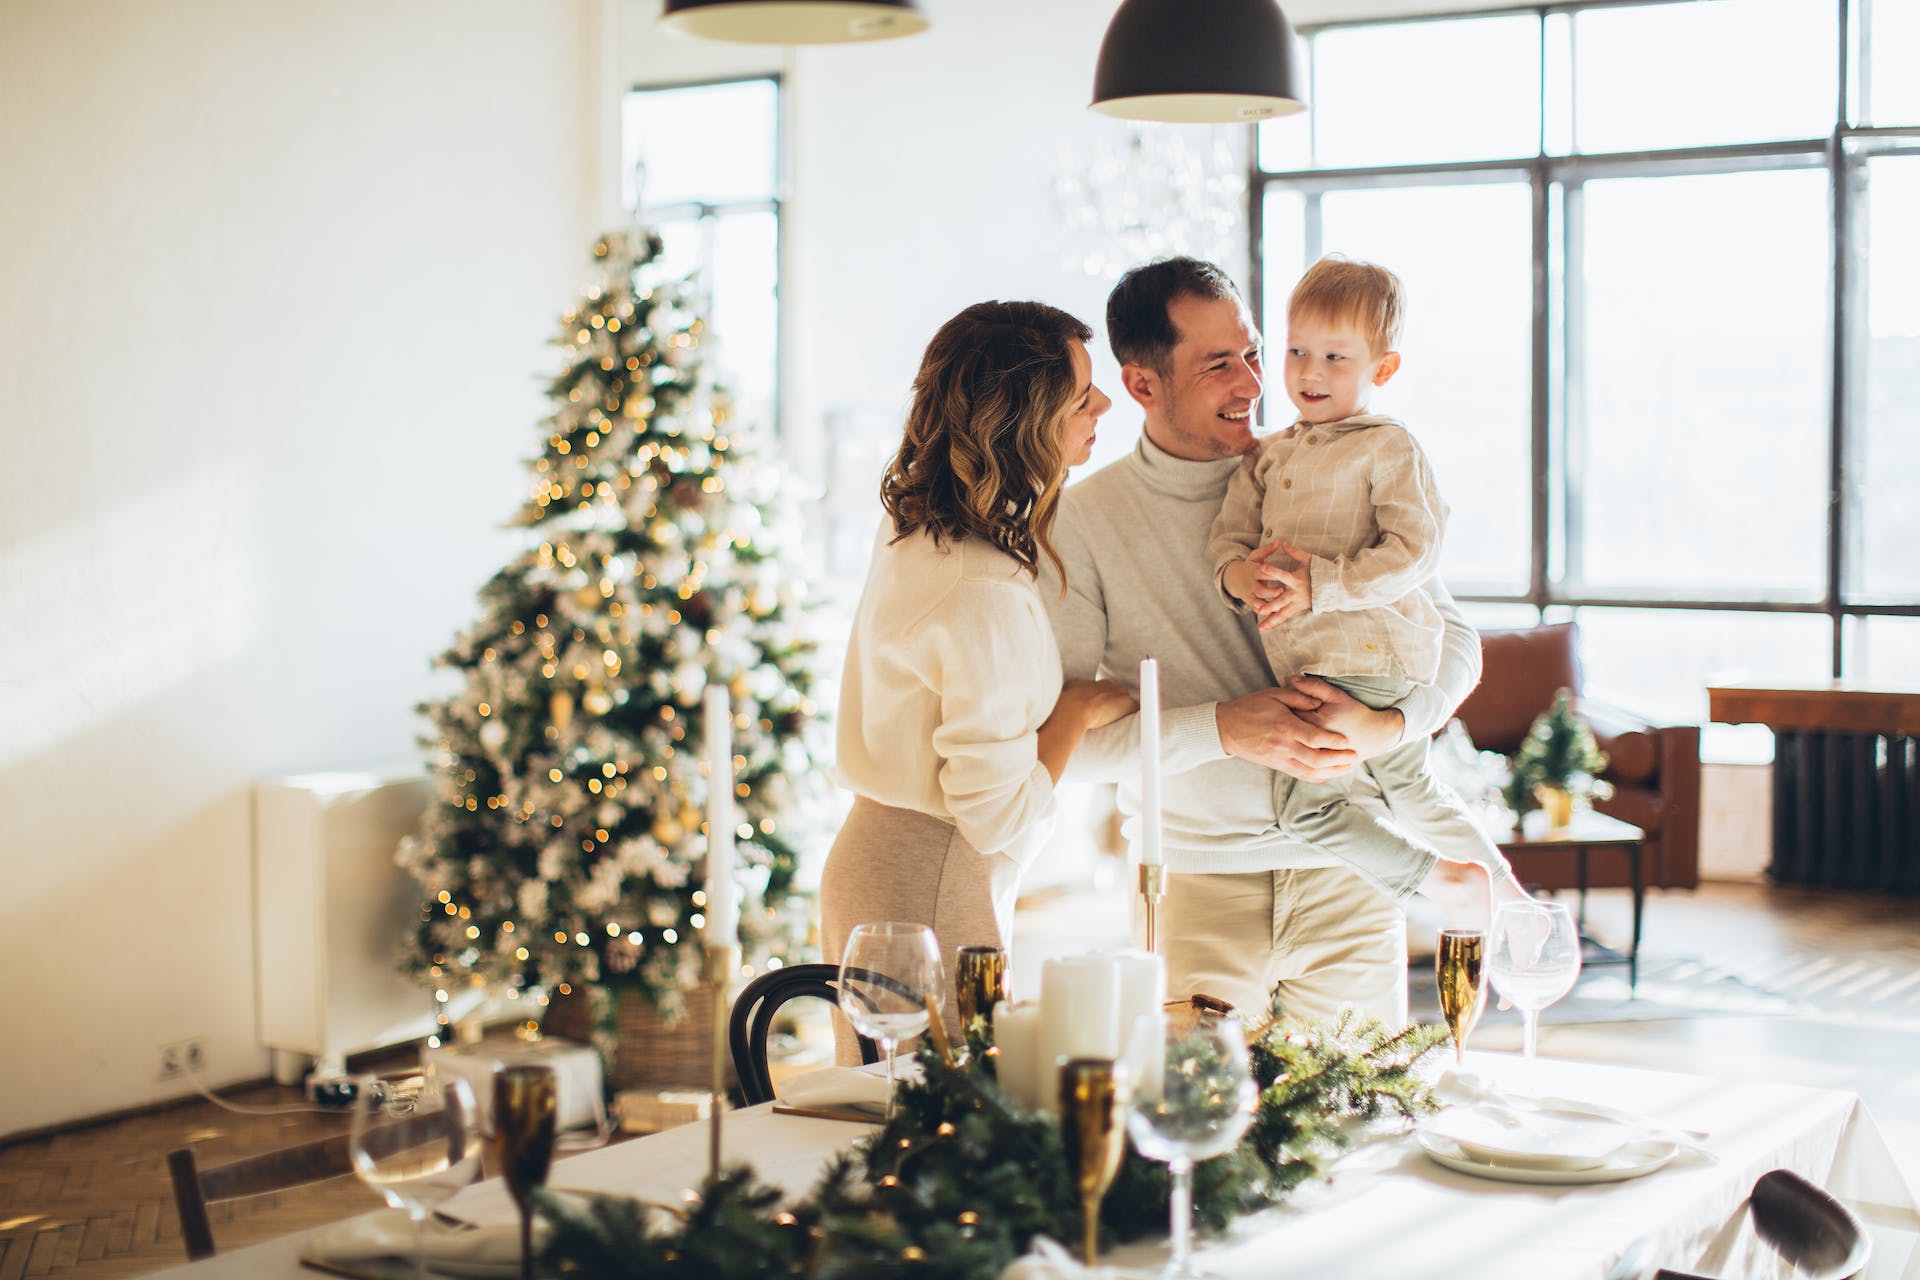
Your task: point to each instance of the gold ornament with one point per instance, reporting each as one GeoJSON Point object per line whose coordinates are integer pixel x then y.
{"type": "Point", "coordinates": [598, 702]}
{"type": "Point", "coordinates": [560, 707]}
{"type": "Point", "coordinates": [667, 831]}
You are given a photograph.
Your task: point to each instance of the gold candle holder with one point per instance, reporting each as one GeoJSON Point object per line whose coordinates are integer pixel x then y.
{"type": "Point", "coordinates": [1093, 1125]}
{"type": "Point", "coordinates": [1458, 968]}
{"type": "Point", "coordinates": [721, 963]}
{"type": "Point", "coordinates": [1153, 888]}
{"type": "Point", "coordinates": [981, 979]}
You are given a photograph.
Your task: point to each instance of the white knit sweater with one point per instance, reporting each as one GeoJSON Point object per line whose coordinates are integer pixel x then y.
{"type": "Point", "coordinates": [951, 670]}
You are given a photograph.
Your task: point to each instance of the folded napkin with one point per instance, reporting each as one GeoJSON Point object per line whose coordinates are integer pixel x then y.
{"type": "Point", "coordinates": [447, 1249]}
{"type": "Point", "coordinates": [838, 1088]}
{"type": "Point", "coordinates": [1047, 1260]}
{"type": "Point", "coordinates": [1490, 1123]}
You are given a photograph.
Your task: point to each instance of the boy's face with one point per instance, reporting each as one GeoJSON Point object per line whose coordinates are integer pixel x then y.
{"type": "Point", "coordinates": [1330, 371]}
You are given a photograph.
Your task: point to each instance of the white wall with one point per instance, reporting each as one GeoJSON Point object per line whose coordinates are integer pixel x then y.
{"type": "Point", "coordinates": [278, 280]}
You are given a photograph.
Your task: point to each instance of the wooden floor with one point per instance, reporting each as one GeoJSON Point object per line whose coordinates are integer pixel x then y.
{"type": "Point", "coordinates": [95, 1202]}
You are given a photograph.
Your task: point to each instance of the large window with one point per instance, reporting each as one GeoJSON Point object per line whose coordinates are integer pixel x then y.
{"type": "Point", "coordinates": [702, 163]}
{"type": "Point", "coordinates": [1663, 338]}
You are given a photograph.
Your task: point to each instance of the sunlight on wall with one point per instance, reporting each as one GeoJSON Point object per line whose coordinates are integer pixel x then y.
{"type": "Point", "coordinates": [127, 604]}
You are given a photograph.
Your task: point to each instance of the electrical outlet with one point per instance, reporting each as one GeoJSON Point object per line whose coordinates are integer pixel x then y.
{"type": "Point", "coordinates": [182, 1058]}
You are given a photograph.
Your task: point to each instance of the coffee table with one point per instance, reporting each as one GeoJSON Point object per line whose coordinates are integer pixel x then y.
{"type": "Point", "coordinates": [1533, 841]}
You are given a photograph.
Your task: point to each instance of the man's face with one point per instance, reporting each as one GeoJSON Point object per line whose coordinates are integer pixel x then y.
{"type": "Point", "coordinates": [1205, 406]}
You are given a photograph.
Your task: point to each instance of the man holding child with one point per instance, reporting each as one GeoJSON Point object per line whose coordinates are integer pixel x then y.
{"type": "Point", "coordinates": [1259, 896]}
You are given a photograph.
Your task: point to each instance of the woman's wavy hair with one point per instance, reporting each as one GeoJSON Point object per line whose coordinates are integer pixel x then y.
{"type": "Point", "coordinates": [981, 457]}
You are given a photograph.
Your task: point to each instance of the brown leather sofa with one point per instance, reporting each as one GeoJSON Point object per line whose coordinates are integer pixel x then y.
{"type": "Point", "coordinates": [1655, 770]}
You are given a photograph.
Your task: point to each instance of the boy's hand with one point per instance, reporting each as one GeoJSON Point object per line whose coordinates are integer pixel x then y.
{"type": "Point", "coordinates": [1295, 585]}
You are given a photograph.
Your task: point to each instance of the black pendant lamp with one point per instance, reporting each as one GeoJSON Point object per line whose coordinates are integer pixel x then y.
{"type": "Point", "coordinates": [795, 21]}
{"type": "Point", "coordinates": [1199, 62]}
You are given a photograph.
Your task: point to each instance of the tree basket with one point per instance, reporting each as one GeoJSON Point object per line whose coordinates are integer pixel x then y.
{"type": "Point", "coordinates": [639, 1047]}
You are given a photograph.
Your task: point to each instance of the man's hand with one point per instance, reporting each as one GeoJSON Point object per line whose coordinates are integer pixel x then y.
{"type": "Point", "coordinates": [1263, 727]}
{"type": "Point", "coordinates": [1368, 732]}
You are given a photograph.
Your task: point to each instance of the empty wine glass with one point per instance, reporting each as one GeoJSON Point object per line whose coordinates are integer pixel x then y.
{"type": "Point", "coordinates": [1533, 958]}
{"type": "Point", "coordinates": [415, 1144]}
{"type": "Point", "coordinates": [889, 980]}
{"type": "Point", "coordinates": [1192, 1104]}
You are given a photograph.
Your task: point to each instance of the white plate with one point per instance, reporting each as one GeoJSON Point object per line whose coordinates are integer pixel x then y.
{"type": "Point", "coordinates": [1535, 1134]}
{"type": "Point", "coordinates": [1633, 1160]}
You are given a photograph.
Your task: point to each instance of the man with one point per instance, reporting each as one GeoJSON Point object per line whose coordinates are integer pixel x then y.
{"type": "Point", "coordinates": [1246, 909]}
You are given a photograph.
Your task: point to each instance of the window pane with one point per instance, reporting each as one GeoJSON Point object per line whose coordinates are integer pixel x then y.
{"type": "Point", "coordinates": [1463, 254]}
{"type": "Point", "coordinates": [708, 142]}
{"type": "Point", "coordinates": [1284, 241]}
{"type": "Point", "coordinates": [1659, 662]}
{"type": "Point", "coordinates": [1697, 449]}
{"type": "Point", "coordinates": [745, 317]}
{"type": "Point", "coordinates": [1883, 651]}
{"type": "Point", "coordinates": [1464, 89]}
{"type": "Point", "coordinates": [1884, 542]}
{"type": "Point", "coordinates": [1500, 617]}
{"type": "Point", "coordinates": [1682, 75]}
{"type": "Point", "coordinates": [1286, 142]}
{"type": "Point", "coordinates": [1892, 35]}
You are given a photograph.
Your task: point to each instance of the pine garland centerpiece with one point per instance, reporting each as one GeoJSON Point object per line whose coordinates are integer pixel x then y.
{"type": "Point", "coordinates": [563, 841]}
{"type": "Point", "coordinates": [960, 1182]}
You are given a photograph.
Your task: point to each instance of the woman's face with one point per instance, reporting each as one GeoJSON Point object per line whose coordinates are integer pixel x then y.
{"type": "Point", "coordinates": [1088, 403]}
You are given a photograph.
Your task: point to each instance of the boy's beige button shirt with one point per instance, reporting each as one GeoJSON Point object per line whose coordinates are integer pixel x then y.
{"type": "Point", "coordinates": [1359, 496]}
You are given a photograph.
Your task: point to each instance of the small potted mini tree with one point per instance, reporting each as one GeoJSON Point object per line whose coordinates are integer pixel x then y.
{"type": "Point", "coordinates": [1557, 764]}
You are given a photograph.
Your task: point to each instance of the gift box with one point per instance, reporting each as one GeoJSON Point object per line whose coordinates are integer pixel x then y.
{"type": "Point", "coordinates": [582, 1102]}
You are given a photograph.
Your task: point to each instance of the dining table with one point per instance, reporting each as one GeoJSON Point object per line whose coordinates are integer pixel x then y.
{"type": "Point", "coordinates": [1385, 1208]}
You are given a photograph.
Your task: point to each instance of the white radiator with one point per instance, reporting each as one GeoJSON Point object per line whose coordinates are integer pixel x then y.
{"type": "Point", "coordinates": [331, 912]}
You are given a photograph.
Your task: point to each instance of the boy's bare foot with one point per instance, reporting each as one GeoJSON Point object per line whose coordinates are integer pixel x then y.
{"type": "Point", "coordinates": [1462, 891]}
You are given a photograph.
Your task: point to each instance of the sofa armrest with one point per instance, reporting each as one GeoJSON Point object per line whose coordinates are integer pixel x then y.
{"type": "Point", "coordinates": [1630, 741]}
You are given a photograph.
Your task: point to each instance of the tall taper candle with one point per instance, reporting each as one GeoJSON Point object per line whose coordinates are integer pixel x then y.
{"type": "Point", "coordinates": [1150, 852]}
{"type": "Point", "coordinates": [723, 909]}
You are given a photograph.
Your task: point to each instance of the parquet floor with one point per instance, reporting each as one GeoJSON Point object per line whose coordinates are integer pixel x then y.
{"type": "Point", "coordinates": [95, 1204]}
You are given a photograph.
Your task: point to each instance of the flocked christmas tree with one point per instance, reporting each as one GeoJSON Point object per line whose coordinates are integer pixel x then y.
{"type": "Point", "coordinates": [564, 840]}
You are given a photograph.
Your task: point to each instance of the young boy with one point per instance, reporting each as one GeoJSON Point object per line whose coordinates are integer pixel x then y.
{"type": "Point", "coordinates": [1347, 501]}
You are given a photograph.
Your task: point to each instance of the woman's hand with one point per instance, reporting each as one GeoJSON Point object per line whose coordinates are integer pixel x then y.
{"type": "Point", "coordinates": [1099, 702]}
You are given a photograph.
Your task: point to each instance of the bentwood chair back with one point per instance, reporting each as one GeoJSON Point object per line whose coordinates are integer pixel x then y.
{"type": "Point", "coordinates": [195, 1188]}
{"type": "Point", "coordinates": [752, 1019]}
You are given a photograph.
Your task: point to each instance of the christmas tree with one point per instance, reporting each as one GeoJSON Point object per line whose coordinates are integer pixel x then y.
{"type": "Point", "coordinates": [564, 841]}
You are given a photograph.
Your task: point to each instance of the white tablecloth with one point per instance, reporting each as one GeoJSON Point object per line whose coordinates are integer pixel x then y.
{"type": "Point", "coordinates": [1387, 1210]}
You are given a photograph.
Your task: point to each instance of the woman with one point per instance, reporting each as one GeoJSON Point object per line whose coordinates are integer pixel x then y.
{"type": "Point", "coordinates": [954, 725]}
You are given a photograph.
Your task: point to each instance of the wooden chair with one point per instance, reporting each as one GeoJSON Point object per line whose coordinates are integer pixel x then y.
{"type": "Point", "coordinates": [195, 1188]}
{"type": "Point", "coordinates": [752, 1019]}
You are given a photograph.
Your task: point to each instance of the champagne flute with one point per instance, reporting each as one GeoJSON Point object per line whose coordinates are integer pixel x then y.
{"type": "Point", "coordinates": [1194, 1105]}
{"type": "Point", "coordinates": [1533, 959]}
{"type": "Point", "coordinates": [889, 975]}
{"type": "Point", "coordinates": [525, 1106]}
{"type": "Point", "coordinates": [416, 1145]}
{"type": "Point", "coordinates": [1093, 1104]}
{"type": "Point", "coordinates": [980, 981]}
{"type": "Point", "coordinates": [1457, 968]}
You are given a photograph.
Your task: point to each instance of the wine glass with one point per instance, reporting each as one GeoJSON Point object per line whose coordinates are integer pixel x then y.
{"type": "Point", "coordinates": [889, 980]}
{"type": "Point", "coordinates": [1093, 1102]}
{"type": "Point", "coordinates": [1533, 958]}
{"type": "Point", "coordinates": [525, 1107]}
{"type": "Point", "coordinates": [1192, 1104]}
{"type": "Point", "coordinates": [1458, 972]}
{"type": "Point", "coordinates": [416, 1144]}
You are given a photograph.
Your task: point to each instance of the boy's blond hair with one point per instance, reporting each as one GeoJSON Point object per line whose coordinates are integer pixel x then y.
{"type": "Point", "coordinates": [1344, 290]}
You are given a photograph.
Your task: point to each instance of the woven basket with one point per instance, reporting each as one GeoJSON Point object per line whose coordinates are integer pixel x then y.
{"type": "Point", "coordinates": [646, 1049]}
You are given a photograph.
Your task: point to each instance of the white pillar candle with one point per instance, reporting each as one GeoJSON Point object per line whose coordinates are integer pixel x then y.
{"type": "Point", "coordinates": [1150, 851]}
{"type": "Point", "coordinates": [1016, 1039]}
{"type": "Point", "coordinates": [1146, 1054]}
{"type": "Point", "coordinates": [1080, 1005]}
{"type": "Point", "coordinates": [723, 908]}
{"type": "Point", "coordinates": [1143, 986]}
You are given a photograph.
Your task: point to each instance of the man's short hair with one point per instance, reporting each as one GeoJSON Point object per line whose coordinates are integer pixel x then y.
{"type": "Point", "coordinates": [1347, 291]}
{"type": "Point", "coordinates": [1138, 327]}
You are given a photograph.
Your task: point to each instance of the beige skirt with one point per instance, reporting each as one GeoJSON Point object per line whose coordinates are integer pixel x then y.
{"type": "Point", "coordinates": [899, 864]}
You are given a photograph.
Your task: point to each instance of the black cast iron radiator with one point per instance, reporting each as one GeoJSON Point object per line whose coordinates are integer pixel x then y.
{"type": "Point", "coordinates": [1846, 810]}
